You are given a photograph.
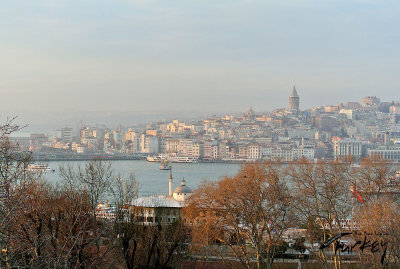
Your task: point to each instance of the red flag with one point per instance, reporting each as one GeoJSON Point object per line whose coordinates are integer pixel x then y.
{"type": "Point", "coordinates": [357, 194]}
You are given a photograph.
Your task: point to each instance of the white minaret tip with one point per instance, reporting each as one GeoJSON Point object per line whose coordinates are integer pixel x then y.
{"type": "Point", "coordinates": [170, 183]}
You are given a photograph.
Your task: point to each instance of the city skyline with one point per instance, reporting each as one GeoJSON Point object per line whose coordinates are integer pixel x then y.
{"type": "Point", "coordinates": [348, 129]}
{"type": "Point", "coordinates": [213, 56]}
{"type": "Point", "coordinates": [39, 121]}
{"type": "Point", "coordinates": [279, 119]}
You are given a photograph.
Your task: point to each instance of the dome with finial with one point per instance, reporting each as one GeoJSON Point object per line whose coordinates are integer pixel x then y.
{"type": "Point", "coordinates": [182, 192]}
{"type": "Point", "coordinates": [183, 188]}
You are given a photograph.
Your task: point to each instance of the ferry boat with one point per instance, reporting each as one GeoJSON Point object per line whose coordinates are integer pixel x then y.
{"type": "Point", "coordinates": [165, 165]}
{"type": "Point", "coordinates": [172, 158]}
{"type": "Point", "coordinates": [156, 158]}
{"type": "Point", "coordinates": [39, 168]}
{"type": "Point", "coordinates": [183, 159]}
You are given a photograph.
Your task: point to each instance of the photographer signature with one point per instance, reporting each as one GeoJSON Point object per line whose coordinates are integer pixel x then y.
{"type": "Point", "coordinates": [374, 246]}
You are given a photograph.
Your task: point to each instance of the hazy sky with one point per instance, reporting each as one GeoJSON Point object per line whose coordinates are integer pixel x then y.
{"type": "Point", "coordinates": [211, 55]}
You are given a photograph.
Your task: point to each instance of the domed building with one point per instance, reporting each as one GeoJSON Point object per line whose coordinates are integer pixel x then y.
{"type": "Point", "coordinates": [182, 192]}
{"type": "Point", "coordinates": [162, 209]}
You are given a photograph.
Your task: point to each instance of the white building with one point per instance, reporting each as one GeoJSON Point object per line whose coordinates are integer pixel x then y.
{"type": "Point", "coordinates": [287, 154]}
{"type": "Point", "coordinates": [254, 152]}
{"type": "Point", "coordinates": [391, 155]}
{"type": "Point", "coordinates": [348, 147]}
{"type": "Point", "coordinates": [64, 134]}
{"type": "Point", "coordinates": [349, 113]}
{"type": "Point", "coordinates": [303, 152]}
{"type": "Point", "coordinates": [185, 147]}
{"type": "Point", "coordinates": [148, 144]}
{"type": "Point", "coordinates": [164, 209]}
{"type": "Point", "coordinates": [172, 145]}
{"type": "Point", "coordinates": [208, 150]}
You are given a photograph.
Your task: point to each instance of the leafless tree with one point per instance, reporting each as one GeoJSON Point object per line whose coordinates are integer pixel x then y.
{"type": "Point", "coordinates": [95, 178]}
{"type": "Point", "coordinates": [13, 163]}
{"type": "Point", "coordinates": [375, 178]}
{"type": "Point", "coordinates": [323, 196]}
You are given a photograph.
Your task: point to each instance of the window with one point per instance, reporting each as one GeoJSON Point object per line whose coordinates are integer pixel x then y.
{"type": "Point", "coordinates": [149, 219]}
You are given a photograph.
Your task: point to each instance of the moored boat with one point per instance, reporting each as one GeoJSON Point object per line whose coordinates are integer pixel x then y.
{"type": "Point", "coordinates": [172, 158]}
{"type": "Point", "coordinates": [39, 168]}
{"type": "Point", "coordinates": [165, 165]}
{"type": "Point", "coordinates": [156, 158]}
{"type": "Point", "coordinates": [183, 159]}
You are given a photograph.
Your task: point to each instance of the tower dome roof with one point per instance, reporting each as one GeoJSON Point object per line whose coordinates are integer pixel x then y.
{"type": "Point", "coordinates": [183, 188]}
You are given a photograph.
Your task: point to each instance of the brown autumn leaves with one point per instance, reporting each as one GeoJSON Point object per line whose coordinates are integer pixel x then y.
{"type": "Point", "coordinates": [245, 216]}
{"type": "Point", "coordinates": [56, 226]}
{"type": "Point", "coordinates": [238, 220]}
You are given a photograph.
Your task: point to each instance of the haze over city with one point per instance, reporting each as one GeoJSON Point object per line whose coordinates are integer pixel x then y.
{"type": "Point", "coordinates": [216, 56]}
{"type": "Point", "coordinates": [248, 134]}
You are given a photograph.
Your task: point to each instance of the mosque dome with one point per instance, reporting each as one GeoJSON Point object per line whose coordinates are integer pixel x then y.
{"type": "Point", "coordinates": [183, 189]}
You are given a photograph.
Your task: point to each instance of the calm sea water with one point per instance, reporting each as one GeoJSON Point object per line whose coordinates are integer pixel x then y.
{"type": "Point", "coordinates": [152, 180]}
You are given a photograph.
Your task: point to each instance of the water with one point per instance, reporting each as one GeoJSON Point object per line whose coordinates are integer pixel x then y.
{"type": "Point", "coordinates": [152, 180]}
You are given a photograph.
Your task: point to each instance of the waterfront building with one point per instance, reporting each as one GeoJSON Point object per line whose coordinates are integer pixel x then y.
{"type": "Point", "coordinates": [84, 132]}
{"type": "Point", "coordinates": [242, 151]}
{"type": "Point", "coordinates": [348, 147]}
{"type": "Point", "coordinates": [266, 152]}
{"type": "Point", "coordinates": [172, 145]}
{"type": "Point", "coordinates": [117, 137]}
{"type": "Point", "coordinates": [283, 154]}
{"type": "Point", "coordinates": [81, 149]}
{"type": "Point", "coordinates": [99, 133]}
{"type": "Point", "coordinates": [148, 144]}
{"type": "Point", "coordinates": [287, 154]}
{"type": "Point", "coordinates": [391, 155]}
{"type": "Point", "coordinates": [132, 140]}
{"type": "Point", "coordinates": [185, 147]}
{"type": "Point", "coordinates": [215, 152]}
{"type": "Point", "coordinates": [64, 134]}
{"type": "Point", "coordinates": [36, 141]}
{"type": "Point", "coordinates": [197, 150]}
{"type": "Point", "coordinates": [254, 152]}
{"type": "Point", "coordinates": [208, 151]}
{"type": "Point", "coordinates": [303, 152]}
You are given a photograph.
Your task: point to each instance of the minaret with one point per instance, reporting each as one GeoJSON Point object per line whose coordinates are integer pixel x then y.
{"type": "Point", "coordinates": [294, 100]}
{"type": "Point", "coordinates": [170, 183]}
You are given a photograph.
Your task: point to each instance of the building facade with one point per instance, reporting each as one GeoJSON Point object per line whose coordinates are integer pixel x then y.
{"type": "Point", "coordinates": [348, 147]}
